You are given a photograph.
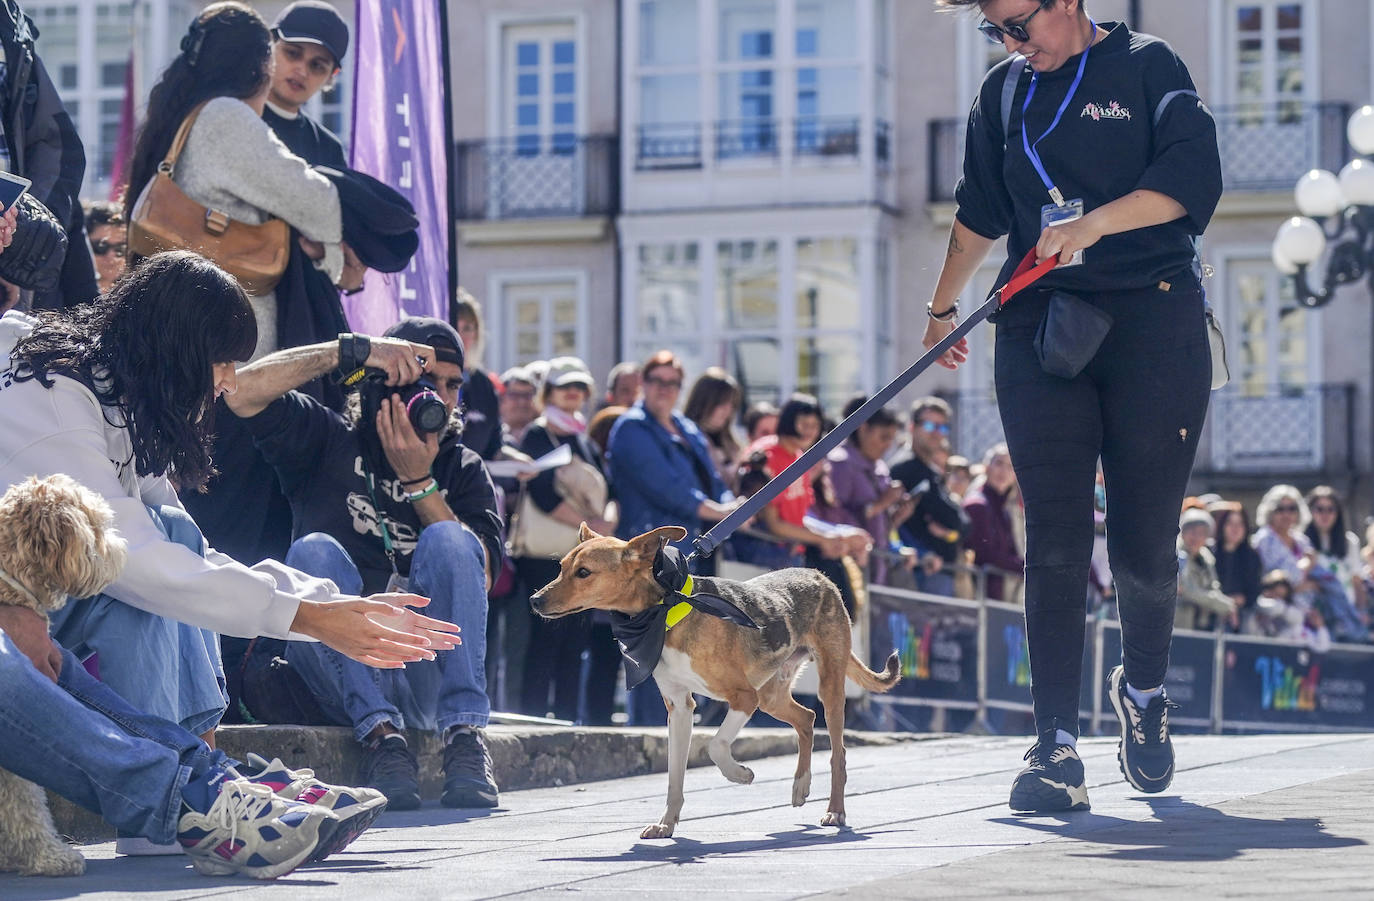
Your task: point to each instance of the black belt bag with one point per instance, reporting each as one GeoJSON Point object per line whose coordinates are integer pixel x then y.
{"type": "Point", "coordinates": [1069, 335]}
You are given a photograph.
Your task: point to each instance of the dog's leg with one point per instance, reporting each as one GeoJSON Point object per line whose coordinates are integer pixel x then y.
{"type": "Point", "coordinates": [775, 699]}
{"type": "Point", "coordinates": [831, 667]}
{"type": "Point", "coordinates": [680, 706]}
{"type": "Point", "coordinates": [30, 843]}
{"type": "Point", "coordinates": [719, 748]}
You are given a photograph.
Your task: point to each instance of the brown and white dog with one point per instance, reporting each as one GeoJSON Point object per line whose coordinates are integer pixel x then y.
{"type": "Point", "coordinates": [56, 541]}
{"type": "Point", "coordinates": [801, 617]}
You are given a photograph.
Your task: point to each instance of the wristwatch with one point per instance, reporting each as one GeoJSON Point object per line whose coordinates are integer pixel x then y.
{"type": "Point", "coordinates": [354, 349]}
{"type": "Point", "coordinates": [946, 316]}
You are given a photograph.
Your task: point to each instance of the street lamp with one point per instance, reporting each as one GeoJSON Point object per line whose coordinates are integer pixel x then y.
{"type": "Point", "coordinates": [1346, 201]}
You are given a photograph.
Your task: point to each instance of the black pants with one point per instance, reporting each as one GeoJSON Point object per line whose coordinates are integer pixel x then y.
{"type": "Point", "coordinates": [1139, 406]}
{"type": "Point", "coordinates": [553, 658]}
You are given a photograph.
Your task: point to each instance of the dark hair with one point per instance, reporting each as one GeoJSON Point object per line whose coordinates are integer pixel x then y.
{"type": "Point", "coordinates": [881, 418]}
{"type": "Point", "coordinates": [923, 405]}
{"type": "Point", "coordinates": [960, 4]}
{"type": "Point", "coordinates": [797, 406]}
{"type": "Point", "coordinates": [1337, 547]}
{"type": "Point", "coordinates": [225, 53]}
{"type": "Point", "coordinates": [103, 212]}
{"type": "Point", "coordinates": [753, 473]}
{"type": "Point", "coordinates": [712, 388]}
{"type": "Point", "coordinates": [147, 349]}
{"type": "Point", "coordinates": [661, 358]}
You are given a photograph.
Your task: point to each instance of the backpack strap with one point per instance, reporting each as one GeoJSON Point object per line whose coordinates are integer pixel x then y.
{"type": "Point", "coordinates": [1167, 99]}
{"type": "Point", "coordinates": [1013, 80]}
{"type": "Point", "coordinates": [179, 142]}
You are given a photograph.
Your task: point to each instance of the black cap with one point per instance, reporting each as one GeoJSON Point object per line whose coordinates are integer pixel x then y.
{"type": "Point", "coordinates": [313, 22]}
{"type": "Point", "coordinates": [437, 333]}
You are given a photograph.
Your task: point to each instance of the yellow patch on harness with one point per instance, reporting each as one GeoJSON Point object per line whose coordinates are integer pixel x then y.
{"type": "Point", "coordinates": [677, 613]}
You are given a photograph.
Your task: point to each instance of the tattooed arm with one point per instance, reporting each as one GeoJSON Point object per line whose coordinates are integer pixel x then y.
{"type": "Point", "coordinates": [966, 251]}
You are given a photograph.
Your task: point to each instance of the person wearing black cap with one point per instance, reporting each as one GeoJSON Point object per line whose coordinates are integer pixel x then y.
{"type": "Point", "coordinates": [309, 40]}
{"type": "Point", "coordinates": [374, 503]}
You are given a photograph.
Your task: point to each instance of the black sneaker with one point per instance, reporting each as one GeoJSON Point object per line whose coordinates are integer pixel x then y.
{"type": "Point", "coordinates": [1053, 780]}
{"type": "Point", "coordinates": [1146, 753]}
{"type": "Point", "coordinates": [468, 780]}
{"type": "Point", "coordinates": [389, 766]}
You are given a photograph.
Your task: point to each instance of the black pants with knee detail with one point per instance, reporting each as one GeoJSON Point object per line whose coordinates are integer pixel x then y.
{"type": "Point", "coordinates": [1139, 405]}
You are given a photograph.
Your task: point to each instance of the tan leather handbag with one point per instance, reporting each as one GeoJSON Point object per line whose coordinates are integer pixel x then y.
{"type": "Point", "coordinates": [535, 533]}
{"type": "Point", "coordinates": [165, 218]}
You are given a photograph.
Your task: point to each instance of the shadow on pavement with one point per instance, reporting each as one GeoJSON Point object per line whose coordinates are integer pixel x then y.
{"type": "Point", "coordinates": [1183, 831]}
{"type": "Point", "coordinates": [681, 850]}
{"type": "Point", "coordinates": [148, 874]}
{"type": "Point", "coordinates": [432, 816]}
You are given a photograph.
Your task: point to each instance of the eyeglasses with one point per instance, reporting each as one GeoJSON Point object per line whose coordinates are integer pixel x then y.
{"type": "Point", "coordinates": [102, 246]}
{"type": "Point", "coordinates": [931, 426]}
{"type": "Point", "coordinates": [1286, 508]}
{"type": "Point", "coordinates": [1323, 508]}
{"type": "Point", "coordinates": [519, 395]}
{"type": "Point", "coordinates": [997, 34]}
{"type": "Point", "coordinates": [667, 384]}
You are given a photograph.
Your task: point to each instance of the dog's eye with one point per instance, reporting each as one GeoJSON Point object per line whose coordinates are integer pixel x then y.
{"type": "Point", "coordinates": [582, 572]}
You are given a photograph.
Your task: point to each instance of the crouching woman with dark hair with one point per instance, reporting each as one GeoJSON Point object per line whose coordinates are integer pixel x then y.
{"type": "Point", "coordinates": [119, 395]}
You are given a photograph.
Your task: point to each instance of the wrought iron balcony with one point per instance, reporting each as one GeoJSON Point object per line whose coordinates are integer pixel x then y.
{"type": "Point", "coordinates": [679, 145]}
{"type": "Point", "coordinates": [741, 138]}
{"type": "Point", "coordinates": [670, 146]}
{"type": "Point", "coordinates": [1264, 147]}
{"type": "Point", "coordinates": [536, 176]}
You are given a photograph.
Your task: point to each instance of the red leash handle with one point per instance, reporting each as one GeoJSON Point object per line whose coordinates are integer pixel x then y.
{"type": "Point", "coordinates": [1027, 273]}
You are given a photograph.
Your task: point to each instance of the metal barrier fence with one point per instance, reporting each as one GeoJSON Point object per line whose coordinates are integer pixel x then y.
{"type": "Point", "coordinates": [972, 656]}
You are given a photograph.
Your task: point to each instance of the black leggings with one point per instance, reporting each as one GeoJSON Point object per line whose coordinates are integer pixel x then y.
{"type": "Point", "coordinates": [1139, 405]}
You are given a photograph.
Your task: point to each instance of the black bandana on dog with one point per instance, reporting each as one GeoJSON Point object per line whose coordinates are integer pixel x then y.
{"type": "Point", "coordinates": [641, 636]}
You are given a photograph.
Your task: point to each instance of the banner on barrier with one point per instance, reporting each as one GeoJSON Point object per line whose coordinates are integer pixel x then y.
{"type": "Point", "coordinates": [1188, 681]}
{"type": "Point", "coordinates": [1282, 685]}
{"type": "Point", "coordinates": [938, 644]}
{"type": "Point", "coordinates": [1008, 659]}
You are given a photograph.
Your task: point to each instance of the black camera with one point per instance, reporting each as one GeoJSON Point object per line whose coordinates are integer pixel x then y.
{"type": "Point", "coordinates": [426, 410]}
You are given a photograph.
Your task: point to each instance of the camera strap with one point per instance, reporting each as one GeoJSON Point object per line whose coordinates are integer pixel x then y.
{"type": "Point", "coordinates": [381, 517]}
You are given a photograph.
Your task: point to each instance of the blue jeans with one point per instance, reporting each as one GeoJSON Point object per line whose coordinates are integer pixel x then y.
{"type": "Point", "coordinates": [158, 665]}
{"type": "Point", "coordinates": [83, 741]}
{"type": "Point", "coordinates": [451, 690]}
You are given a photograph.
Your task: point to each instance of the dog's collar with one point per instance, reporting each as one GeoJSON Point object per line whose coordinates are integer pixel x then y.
{"type": "Point", "coordinates": [28, 595]}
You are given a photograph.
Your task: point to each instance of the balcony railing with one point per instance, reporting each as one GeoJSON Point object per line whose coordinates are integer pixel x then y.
{"type": "Point", "coordinates": [1272, 431]}
{"type": "Point", "coordinates": [533, 177]}
{"type": "Point", "coordinates": [679, 145]}
{"type": "Point", "coordinates": [1263, 147]}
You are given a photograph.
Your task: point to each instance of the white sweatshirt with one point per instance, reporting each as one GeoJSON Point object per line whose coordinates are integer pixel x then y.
{"type": "Point", "coordinates": [64, 429]}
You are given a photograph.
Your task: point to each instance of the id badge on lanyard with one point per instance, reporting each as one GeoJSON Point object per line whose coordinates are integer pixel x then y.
{"type": "Point", "coordinates": [1061, 210]}
{"type": "Point", "coordinates": [397, 584]}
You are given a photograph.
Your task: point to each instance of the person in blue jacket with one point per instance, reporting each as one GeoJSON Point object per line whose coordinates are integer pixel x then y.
{"type": "Point", "coordinates": [662, 475]}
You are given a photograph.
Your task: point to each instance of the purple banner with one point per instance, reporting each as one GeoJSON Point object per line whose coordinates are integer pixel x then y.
{"type": "Point", "coordinates": [398, 136]}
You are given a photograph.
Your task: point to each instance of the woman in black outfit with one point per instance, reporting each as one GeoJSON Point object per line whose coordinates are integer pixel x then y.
{"type": "Point", "coordinates": [1101, 146]}
{"type": "Point", "coordinates": [1238, 563]}
{"type": "Point", "coordinates": [553, 664]}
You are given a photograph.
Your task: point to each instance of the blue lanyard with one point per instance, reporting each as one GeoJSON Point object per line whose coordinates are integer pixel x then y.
{"type": "Point", "coordinates": [1031, 153]}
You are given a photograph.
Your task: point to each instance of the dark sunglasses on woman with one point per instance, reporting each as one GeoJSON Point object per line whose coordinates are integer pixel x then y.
{"type": "Point", "coordinates": [997, 33]}
{"type": "Point", "coordinates": [102, 246]}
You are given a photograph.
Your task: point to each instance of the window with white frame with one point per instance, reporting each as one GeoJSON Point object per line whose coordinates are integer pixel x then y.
{"type": "Point", "coordinates": [541, 319]}
{"type": "Point", "coordinates": [746, 77]}
{"type": "Point", "coordinates": [1269, 331]}
{"type": "Point", "coordinates": [780, 313]}
{"type": "Point", "coordinates": [669, 127]}
{"type": "Point", "coordinates": [539, 87]}
{"type": "Point", "coordinates": [1268, 59]}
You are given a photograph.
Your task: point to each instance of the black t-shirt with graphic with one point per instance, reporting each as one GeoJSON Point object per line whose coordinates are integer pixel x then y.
{"type": "Point", "coordinates": [1135, 122]}
{"type": "Point", "coordinates": [319, 460]}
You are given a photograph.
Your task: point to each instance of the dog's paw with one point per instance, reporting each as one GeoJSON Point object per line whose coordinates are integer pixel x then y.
{"type": "Point", "coordinates": [741, 774]}
{"type": "Point", "coordinates": [657, 830]}
{"type": "Point", "coordinates": [56, 860]}
{"type": "Point", "coordinates": [833, 818]}
{"type": "Point", "coordinates": [801, 787]}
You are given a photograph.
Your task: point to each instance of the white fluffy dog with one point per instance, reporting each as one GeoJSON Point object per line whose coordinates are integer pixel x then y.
{"type": "Point", "coordinates": [56, 541]}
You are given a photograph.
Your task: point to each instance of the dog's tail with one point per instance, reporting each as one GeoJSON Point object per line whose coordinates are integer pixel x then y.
{"type": "Point", "coordinates": [879, 682]}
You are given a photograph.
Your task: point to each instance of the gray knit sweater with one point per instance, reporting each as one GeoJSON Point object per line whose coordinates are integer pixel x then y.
{"type": "Point", "coordinates": [234, 162]}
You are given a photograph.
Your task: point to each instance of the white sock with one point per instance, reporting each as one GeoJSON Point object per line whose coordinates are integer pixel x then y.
{"type": "Point", "coordinates": [1062, 737]}
{"type": "Point", "coordinates": [1142, 698]}
{"type": "Point", "coordinates": [396, 736]}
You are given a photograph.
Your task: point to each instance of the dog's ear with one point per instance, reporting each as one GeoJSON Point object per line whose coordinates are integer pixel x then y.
{"type": "Point", "coordinates": [647, 546]}
{"type": "Point", "coordinates": [586, 533]}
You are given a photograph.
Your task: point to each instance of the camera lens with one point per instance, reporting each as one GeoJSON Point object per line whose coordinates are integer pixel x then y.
{"type": "Point", "coordinates": [426, 410]}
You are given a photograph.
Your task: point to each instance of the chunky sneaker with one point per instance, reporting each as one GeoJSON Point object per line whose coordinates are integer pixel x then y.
{"type": "Point", "coordinates": [1053, 779]}
{"type": "Point", "coordinates": [231, 825]}
{"type": "Point", "coordinates": [1146, 753]}
{"type": "Point", "coordinates": [356, 808]}
{"type": "Point", "coordinates": [468, 779]}
{"type": "Point", "coordinates": [138, 846]}
{"type": "Point", "coordinates": [389, 766]}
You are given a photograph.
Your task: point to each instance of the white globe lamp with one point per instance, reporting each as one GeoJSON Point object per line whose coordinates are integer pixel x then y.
{"type": "Point", "coordinates": [1300, 241]}
{"type": "Point", "coordinates": [1357, 182]}
{"type": "Point", "coordinates": [1284, 265]}
{"type": "Point", "coordinates": [1319, 194]}
{"type": "Point", "coordinates": [1360, 130]}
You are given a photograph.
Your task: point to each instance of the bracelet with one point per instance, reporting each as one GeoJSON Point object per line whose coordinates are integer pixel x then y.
{"type": "Point", "coordinates": [412, 497]}
{"type": "Point", "coordinates": [423, 478]}
{"type": "Point", "coordinates": [354, 349]}
{"type": "Point", "coordinates": [946, 316]}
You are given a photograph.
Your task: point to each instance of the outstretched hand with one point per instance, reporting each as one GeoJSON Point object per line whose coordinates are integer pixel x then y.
{"type": "Point", "coordinates": [380, 631]}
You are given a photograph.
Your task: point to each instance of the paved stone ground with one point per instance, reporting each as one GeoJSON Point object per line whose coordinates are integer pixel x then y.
{"type": "Point", "coordinates": [1251, 816]}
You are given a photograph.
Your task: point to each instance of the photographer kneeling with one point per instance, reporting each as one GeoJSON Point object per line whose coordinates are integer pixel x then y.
{"type": "Point", "coordinates": [386, 494]}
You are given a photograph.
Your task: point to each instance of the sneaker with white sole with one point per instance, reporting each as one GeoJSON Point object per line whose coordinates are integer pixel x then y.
{"type": "Point", "coordinates": [138, 846]}
{"type": "Point", "coordinates": [356, 808]}
{"type": "Point", "coordinates": [231, 825]}
{"type": "Point", "coordinates": [1053, 780]}
{"type": "Point", "coordinates": [1146, 753]}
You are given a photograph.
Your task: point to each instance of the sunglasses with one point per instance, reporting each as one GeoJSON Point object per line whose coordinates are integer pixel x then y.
{"type": "Point", "coordinates": [670, 384]}
{"type": "Point", "coordinates": [102, 246]}
{"type": "Point", "coordinates": [1323, 508]}
{"type": "Point", "coordinates": [997, 34]}
{"type": "Point", "coordinates": [929, 426]}
{"type": "Point", "coordinates": [1286, 508]}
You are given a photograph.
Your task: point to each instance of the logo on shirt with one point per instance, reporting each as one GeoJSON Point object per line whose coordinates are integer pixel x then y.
{"type": "Point", "coordinates": [1113, 110]}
